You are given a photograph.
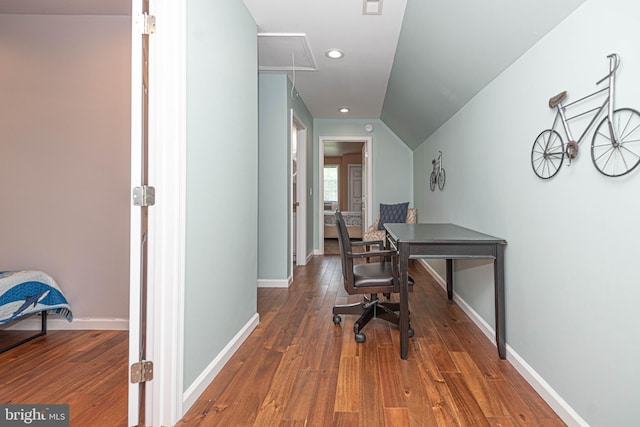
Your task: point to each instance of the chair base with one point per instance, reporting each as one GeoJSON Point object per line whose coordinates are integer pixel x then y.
{"type": "Point", "coordinates": [371, 308]}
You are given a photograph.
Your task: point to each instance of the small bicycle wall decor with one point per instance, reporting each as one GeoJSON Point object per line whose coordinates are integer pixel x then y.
{"type": "Point", "coordinates": [615, 147]}
{"type": "Point", "coordinates": [438, 174]}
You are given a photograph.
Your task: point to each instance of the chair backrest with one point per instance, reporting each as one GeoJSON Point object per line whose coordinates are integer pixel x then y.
{"type": "Point", "coordinates": [365, 285]}
{"type": "Point", "coordinates": [345, 248]}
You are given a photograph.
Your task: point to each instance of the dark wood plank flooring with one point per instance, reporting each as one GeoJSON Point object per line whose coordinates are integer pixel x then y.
{"type": "Point", "coordinates": [299, 369]}
{"type": "Point", "coordinates": [85, 369]}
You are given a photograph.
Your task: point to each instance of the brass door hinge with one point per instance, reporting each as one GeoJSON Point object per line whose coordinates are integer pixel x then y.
{"type": "Point", "coordinates": [141, 372]}
{"type": "Point", "coordinates": [145, 23]}
{"type": "Point", "coordinates": [144, 195]}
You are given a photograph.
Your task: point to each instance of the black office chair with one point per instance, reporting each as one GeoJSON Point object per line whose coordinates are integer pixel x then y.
{"type": "Point", "coordinates": [368, 279]}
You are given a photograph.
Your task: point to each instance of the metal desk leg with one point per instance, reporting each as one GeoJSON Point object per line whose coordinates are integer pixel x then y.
{"type": "Point", "coordinates": [449, 278]}
{"type": "Point", "coordinates": [498, 274]}
{"type": "Point", "coordinates": [404, 299]}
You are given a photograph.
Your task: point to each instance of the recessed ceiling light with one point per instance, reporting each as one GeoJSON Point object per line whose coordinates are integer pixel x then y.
{"type": "Point", "coordinates": [334, 53]}
{"type": "Point", "coordinates": [344, 110]}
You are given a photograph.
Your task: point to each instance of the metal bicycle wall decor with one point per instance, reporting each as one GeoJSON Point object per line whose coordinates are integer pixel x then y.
{"type": "Point", "coordinates": [615, 147]}
{"type": "Point", "coordinates": [438, 175]}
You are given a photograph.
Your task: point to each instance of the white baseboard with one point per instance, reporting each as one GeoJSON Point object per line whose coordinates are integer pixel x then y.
{"type": "Point", "coordinates": [557, 403]}
{"type": "Point", "coordinates": [33, 323]}
{"type": "Point", "coordinates": [441, 281]}
{"type": "Point", "coordinates": [194, 391]}
{"type": "Point", "coordinates": [318, 252]}
{"type": "Point", "coordinates": [548, 394]}
{"type": "Point", "coordinates": [486, 329]}
{"type": "Point", "coordinates": [306, 260]}
{"type": "Point", "coordinates": [274, 283]}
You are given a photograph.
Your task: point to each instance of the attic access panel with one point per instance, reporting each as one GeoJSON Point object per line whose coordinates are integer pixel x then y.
{"type": "Point", "coordinates": [285, 52]}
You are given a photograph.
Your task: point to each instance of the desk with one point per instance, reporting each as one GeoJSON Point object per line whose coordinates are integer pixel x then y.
{"type": "Point", "coordinates": [447, 241]}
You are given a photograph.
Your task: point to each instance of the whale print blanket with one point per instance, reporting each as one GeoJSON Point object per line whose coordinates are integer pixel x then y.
{"type": "Point", "coordinates": [27, 292]}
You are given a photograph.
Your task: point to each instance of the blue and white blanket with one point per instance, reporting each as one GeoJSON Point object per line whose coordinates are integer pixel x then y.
{"type": "Point", "coordinates": [27, 292]}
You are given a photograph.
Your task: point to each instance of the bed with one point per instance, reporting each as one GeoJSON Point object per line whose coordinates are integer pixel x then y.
{"type": "Point", "coordinates": [27, 292]}
{"type": "Point", "coordinates": [353, 220]}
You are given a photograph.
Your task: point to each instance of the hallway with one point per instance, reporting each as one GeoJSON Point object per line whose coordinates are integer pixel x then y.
{"type": "Point", "coordinates": [298, 368]}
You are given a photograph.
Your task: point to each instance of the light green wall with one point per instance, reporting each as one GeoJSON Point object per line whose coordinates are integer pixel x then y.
{"type": "Point", "coordinates": [222, 191]}
{"type": "Point", "coordinates": [274, 227]}
{"type": "Point", "coordinates": [392, 163]}
{"type": "Point", "coordinates": [274, 178]}
{"type": "Point", "coordinates": [572, 282]}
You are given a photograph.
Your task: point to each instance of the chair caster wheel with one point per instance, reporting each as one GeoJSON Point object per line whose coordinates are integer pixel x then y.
{"type": "Point", "coordinates": [337, 319]}
{"type": "Point", "coordinates": [411, 332]}
{"type": "Point", "coordinates": [360, 337]}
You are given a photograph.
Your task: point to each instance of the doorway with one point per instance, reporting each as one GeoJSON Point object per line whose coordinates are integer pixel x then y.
{"type": "Point", "coordinates": [345, 151]}
{"type": "Point", "coordinates": [298, 192]}
{"type": "Point", "coordinates": [80, 131]}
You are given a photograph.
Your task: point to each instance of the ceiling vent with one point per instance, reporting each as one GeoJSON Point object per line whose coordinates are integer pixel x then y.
{"type": "Point", "coordinates": [372, 7]}
{"type": "Point", "coordinates": [284, 52]}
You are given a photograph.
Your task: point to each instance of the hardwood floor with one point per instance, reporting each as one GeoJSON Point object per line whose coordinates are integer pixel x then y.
{"type": "Point", "coordinates": [298, 368]}
{"type": "Point", "coordinates": [85, 369]}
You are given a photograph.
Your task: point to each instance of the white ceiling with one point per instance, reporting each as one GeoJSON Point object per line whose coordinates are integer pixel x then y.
{"type": "Point", "coordinates": [413, 66]}
{"type": "Point", "coordinates": [413, 70]}
{"type": "Point", "coordinates": [359, 80]}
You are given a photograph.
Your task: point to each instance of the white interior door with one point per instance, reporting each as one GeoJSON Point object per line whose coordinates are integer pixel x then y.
{"type": "Point", "coordinates": [355, 188]}
{"type": "Point", "coordinates": [365, 188]}
{"type": "Point", "coordinates": [158, 153]}
{"type": "Point", "coordinates": [299, 192]}
{"type": "Point", "coordinates": [138, 226]}
{"type": "Point", "coordinates": [293, 191]}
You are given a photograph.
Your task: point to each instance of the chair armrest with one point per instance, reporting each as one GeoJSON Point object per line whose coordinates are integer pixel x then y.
{"type": "Point", "coordinates": [378, 243]}
{"type": "Point", "coordinates": [388, 252]}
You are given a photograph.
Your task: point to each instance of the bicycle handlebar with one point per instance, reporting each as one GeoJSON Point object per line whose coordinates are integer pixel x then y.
{"type": "Point", "coordinates": [616, 60]}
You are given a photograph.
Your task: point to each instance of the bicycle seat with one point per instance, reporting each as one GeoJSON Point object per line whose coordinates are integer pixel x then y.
{"type": "Point", "coordinates": [555, 100]}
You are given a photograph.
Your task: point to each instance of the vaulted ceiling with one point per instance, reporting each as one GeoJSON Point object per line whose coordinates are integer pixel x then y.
{"type": "Point", "coordinates": [449, 50]}
{"type": "Point", "coordinates": [413, 65]}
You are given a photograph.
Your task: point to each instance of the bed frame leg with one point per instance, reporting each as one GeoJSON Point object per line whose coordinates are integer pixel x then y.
{"type": "Point", "coordinates": [43, 331]}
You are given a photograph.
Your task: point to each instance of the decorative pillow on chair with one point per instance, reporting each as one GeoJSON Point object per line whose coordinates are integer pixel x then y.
{"type": "Point", "coordinates": [392, 214]}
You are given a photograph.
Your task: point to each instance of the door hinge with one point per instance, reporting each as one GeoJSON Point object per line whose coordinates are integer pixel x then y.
{"type": "Point", "coordinates": [145, 23]}
{"type": "Point", "coordinates": [144, 195]}
{"type": "Point", "coordinates": [141, 372]}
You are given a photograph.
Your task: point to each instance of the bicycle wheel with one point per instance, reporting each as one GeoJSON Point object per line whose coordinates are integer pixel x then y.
{"type": "Point", "coordinates": [617, 157]}
{"type": "Point", "coordinates": [441, 178]}
{"type": "Point", "coordinates": [432, 181]}
{"type": "Point", "coordinates": [547, 154]}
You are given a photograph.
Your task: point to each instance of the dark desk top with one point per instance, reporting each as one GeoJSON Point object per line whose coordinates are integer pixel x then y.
{"type": "Point", "coordinates": [438, 233]}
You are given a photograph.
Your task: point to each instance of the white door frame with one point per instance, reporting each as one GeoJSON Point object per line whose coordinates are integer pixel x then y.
{"type": "Point", "coordinates": [368, 140]}
{"type": "Point", "coordinates": [135, 215]}
{"type": "Point", "coordinates": [301, 194]}
{"type": "Point", "coordinates": [167, 105]}
{"type": "Point", "coordinates": [166, 237]}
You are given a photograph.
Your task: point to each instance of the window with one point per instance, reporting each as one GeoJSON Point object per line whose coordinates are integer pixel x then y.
{"type": "Point", "coordinates": [331, 186]}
